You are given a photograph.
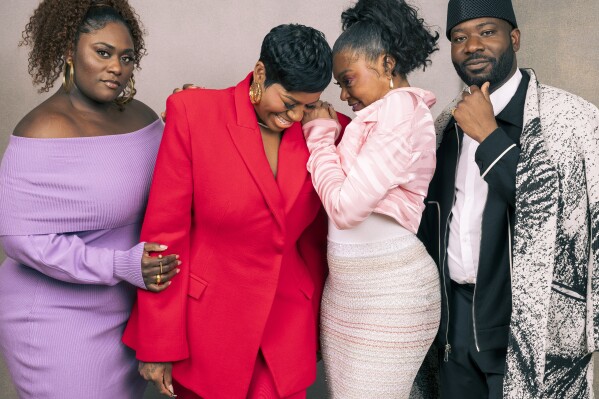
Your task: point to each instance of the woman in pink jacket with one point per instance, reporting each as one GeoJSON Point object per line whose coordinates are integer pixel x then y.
{"type": "Point", "coordinates": [381, 303]}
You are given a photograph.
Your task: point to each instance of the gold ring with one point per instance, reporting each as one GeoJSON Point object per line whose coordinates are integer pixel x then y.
{"type": "Point", "coordinates": [160, 267]}
{"type": "Point", "coordinates": [158, 278]}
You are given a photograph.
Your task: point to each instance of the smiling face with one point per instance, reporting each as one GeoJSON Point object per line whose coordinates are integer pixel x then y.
{"type": "Point", "coordinates": [104, 62]}
{"type": "Point", "coordinates": [483, 49]}
{"type": "Point", "coordinates": [362, 82]}
{"type": "Point", "coordinates": [278, 108]}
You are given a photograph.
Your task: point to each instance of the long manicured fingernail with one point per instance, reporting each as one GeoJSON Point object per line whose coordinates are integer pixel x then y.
{"type": "Point", "coordinates": [163, 247]}
{"type": "Point", "coordinates": [179, 263]}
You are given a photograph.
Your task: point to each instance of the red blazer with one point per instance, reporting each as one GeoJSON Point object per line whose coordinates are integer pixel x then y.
{"type": "Point", "coordinates": [253, 250]}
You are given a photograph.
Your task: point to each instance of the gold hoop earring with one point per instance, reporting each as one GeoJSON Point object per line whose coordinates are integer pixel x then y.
{"type": "Point", "coordinates": [68, 69]}
{"type": "Point", "coordinates": [255, 93]}
{"type": "Point", "coordinates": [127, 94]}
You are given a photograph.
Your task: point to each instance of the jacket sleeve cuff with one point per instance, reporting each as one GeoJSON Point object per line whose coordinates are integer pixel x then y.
{"type": "Point", "coordinates": [492, 150]}
{"type": "Point", "coordinates": [321, 132]}
{"type": "Point", "coordinates": [127, 265]}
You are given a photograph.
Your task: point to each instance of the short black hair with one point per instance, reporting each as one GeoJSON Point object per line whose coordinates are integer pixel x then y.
{"type": "Point", "coordinates": [298, 58]}
{"type": "Point", "coordinates": [375, 27]}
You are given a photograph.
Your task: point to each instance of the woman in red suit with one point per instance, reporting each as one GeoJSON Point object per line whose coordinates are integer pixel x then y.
{"type": "Point", "coordinates": [232, 196]}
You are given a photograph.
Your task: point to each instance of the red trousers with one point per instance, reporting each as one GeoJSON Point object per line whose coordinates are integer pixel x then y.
{"type": "Point", "coordinates": [262, 385]}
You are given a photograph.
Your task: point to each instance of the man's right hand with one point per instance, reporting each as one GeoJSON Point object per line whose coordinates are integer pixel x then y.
{"type": "Point", "coordinates": [161, 374]}
{"type": "Point", "coordinates": [474, 114]}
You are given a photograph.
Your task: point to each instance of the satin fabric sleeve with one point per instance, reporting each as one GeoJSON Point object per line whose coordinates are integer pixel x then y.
{"type": "Point", "coordinates": [157, 327]}
{"type": "Point", "coordinates": [66, 257]}
{"type": "Point", "coordinates": [383, 163]}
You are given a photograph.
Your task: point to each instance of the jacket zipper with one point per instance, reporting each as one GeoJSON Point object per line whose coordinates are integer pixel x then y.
{"type": "Point", "coordinates": [447, 344]}
{"type": "Point", "coordinates": [509, 236]}
{"type": "Point", "coordinates": [474, 320]}
{"type": "Point", "coordinates": [476, 285]}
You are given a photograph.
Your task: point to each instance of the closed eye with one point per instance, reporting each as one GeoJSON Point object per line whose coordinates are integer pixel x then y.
{"type": "Point", "coordinates": [344, 83]}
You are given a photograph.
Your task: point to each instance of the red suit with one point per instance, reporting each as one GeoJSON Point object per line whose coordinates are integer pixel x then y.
{"type": "Point", "coordinates": [252, 246]}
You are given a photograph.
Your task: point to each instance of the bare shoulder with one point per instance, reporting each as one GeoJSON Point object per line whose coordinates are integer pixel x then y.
{"type": "Point", "coordinates": [47, 120]}
{"type": "Point", "coordinates": [141, 112]}
{"type": "Point", "coordinates": [55, 119]}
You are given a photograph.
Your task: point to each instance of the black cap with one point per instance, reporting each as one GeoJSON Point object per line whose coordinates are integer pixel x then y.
{"type": "Point", "coordinates": [459, 11]}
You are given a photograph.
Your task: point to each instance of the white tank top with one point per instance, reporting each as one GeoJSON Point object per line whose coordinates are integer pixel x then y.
{"type": "Point", "coordinates": [374, 228]}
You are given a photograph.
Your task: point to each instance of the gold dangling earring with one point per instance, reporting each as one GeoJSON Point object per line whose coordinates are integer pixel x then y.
{"type": "Point", "coordinates": [255, 93]}
{"type": "Point", "coordinates": [68, 83]}
{"type": "Point", "coordinates": [391, 85]}
{"type": "Point", "coordinates": [127, 94]}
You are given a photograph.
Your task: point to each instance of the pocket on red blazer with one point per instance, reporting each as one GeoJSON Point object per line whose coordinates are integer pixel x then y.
{"type": "Point", "coordinates": [197, 286]}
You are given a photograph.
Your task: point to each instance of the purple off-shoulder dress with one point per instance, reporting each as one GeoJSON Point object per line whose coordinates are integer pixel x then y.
{"type": "Point", "coordinates": [70, 215]}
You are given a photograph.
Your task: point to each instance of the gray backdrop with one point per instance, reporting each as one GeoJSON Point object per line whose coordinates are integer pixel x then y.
{"type": "Point", "coordinates": [215, 44]}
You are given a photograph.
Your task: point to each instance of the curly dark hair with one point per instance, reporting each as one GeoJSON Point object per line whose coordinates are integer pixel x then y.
{"type": "Point", "coordinates": [297, 57]}
{"type": "Point", "coordinates": [55, 26]}
{"type": "Point", "coordinates": [375, 27]}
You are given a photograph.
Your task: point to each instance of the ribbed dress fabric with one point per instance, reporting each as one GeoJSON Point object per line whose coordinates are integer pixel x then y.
{"type": "Point", "coordinates": [70, 215]}
{"type": "Point", "coordinates": [379, 316]}
{"type": "Point", "coordinates": [381, 301]}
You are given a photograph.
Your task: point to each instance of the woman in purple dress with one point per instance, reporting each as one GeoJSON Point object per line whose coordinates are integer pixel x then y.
{"type": "Point", "coordinates": [73, 187]}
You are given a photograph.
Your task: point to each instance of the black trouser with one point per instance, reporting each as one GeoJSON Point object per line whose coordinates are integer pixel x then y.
{"type": "Point", "coordinates": [469, 374]}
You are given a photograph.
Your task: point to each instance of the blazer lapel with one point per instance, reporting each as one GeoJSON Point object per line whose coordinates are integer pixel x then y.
{"type": "Point", "coordinates": [246, 138]}
{"type": "Point", "coordinates": [293, 157]}
{"type": "Point", "coordinates": [537, 190]}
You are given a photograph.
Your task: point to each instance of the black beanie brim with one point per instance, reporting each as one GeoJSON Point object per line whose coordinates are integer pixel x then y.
{"type": "Point", "coordinates": [459, 11]}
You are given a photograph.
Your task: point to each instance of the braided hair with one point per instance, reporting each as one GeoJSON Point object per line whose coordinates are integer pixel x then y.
{"type": "Point", "coordinates": [375, 27]}
{"type": "Point", "coordinates": [55, 27]}
{"type": "Point", "coordinates": [297, 57]}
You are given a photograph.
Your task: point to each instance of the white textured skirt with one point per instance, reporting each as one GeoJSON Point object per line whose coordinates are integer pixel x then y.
{"type": "Point", "coordinates": [380, 313]}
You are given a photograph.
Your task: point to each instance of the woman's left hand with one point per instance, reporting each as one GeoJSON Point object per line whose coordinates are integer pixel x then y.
{"type": "Point", "coordinates": [322, 111]}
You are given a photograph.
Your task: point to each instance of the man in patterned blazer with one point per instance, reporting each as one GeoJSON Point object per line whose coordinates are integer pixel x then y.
{"type": "Point", "coordinates": [512, 220]}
